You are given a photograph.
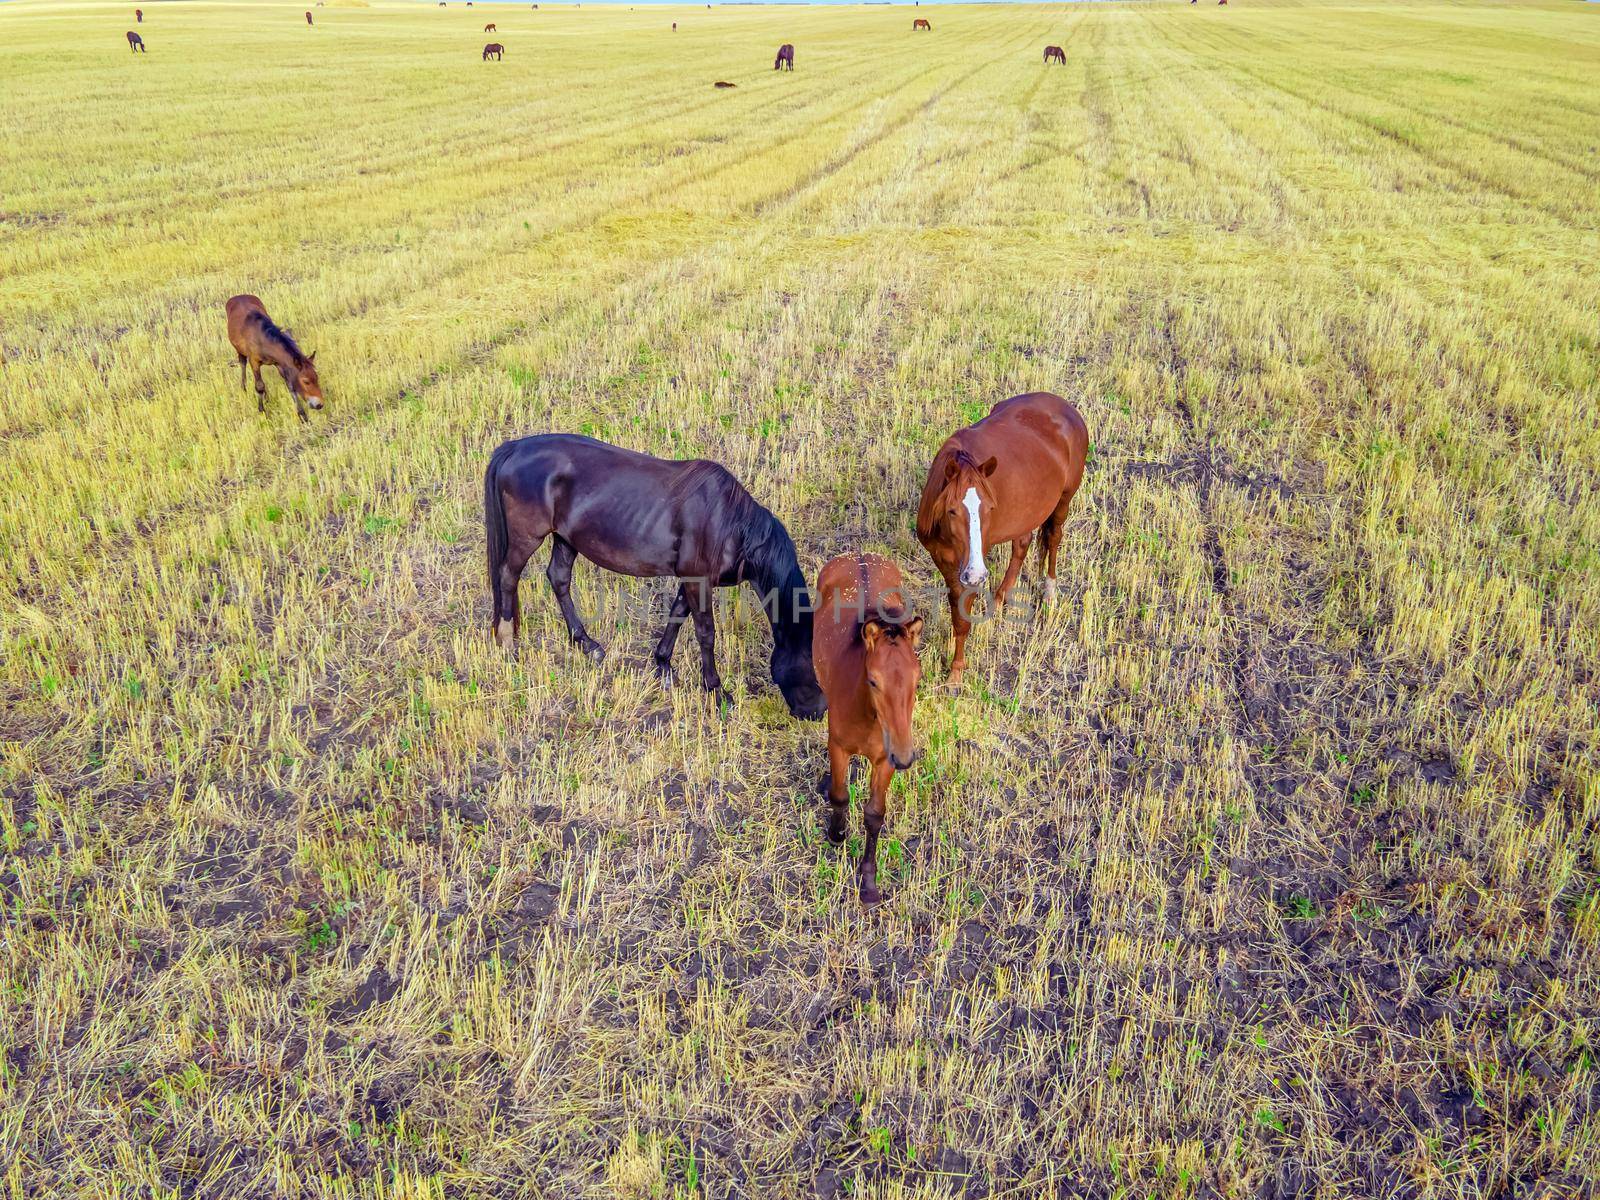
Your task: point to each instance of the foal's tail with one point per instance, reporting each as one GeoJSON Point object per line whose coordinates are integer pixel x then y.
{"type": "Point", "coordinates": [494, 524]}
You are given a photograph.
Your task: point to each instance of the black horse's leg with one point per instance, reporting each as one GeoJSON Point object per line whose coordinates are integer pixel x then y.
{"type": "Point", "coordinates": [669, 635]}
{"type": "Point", "coordinates": [705, 630]}
{"type": "Point", "coordinates": [562, 556]}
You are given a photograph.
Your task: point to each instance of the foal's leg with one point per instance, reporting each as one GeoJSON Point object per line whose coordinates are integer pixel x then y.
{"type": "Point", "coordinates": [877, 805]}
{"type": "Point", "coordinates": [261, 387]}
{"type": "Point", "coordinates": [669, 635]}
{"type": "Point", "coordinates": [705, 630]}
{"type": "Point", "coordinates": [1019, 552]}
{"type": "Point", "coordinates": [559, 573]}
{"type": "Point", "coordinates": [243, 386]}
{"type": "Point", "coordinates": [836, 786]}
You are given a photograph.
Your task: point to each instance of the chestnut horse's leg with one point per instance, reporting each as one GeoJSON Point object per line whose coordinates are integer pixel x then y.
{"type": "Point", "coordinates": [960, 626]}
{"type": "Point", "coordinates": [1052, 542]}
{"type": "Point", "coordinates": [836, 786]}
{"type": "Point", "coordinates": [669, 635]}
{"type": "Point", "coordinates": [876, 806]}
{"type": "Point", "coordinates": [559, 573]}
{"type": "Point", "coordinates": [1019, 552]}
{"type": "Point", "coordinates": [705, 630]}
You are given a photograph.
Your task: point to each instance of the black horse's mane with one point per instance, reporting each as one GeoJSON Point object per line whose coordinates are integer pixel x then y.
{"type": "Point", "coordinates": [767, 557]}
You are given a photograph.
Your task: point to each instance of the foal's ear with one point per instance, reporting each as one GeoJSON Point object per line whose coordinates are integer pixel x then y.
{"type": "Point", "coordinates": [913, 629]}
{"type": "Point", "coordinates": [871, 631]}
{"type": "Point", "coordinates": [989, 465]}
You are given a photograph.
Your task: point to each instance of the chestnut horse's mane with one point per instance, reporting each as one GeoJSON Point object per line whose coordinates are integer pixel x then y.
{"type": "Point", "coordinates": [273, 332]}
{"type": "Point", "coordinates": [925, 517]}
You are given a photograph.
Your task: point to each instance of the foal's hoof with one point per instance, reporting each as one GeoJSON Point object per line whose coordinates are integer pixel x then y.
{"type": "Point", "coordinates": [1049, 591]}
{"type": "Point", "coordinates": [953, 683]}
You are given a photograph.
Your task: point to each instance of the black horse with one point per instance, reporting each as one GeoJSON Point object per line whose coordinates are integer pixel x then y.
{"type": "Point", "coordinates": [646, 517]}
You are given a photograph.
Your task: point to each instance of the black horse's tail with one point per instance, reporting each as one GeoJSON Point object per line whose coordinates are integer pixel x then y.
{"type": "Point", "coordinates": [497, 535]}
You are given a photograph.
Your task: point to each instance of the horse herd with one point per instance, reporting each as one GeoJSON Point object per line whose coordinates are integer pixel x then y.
{"type": "Point", "coordinates": [784, 60]}
{"type": "Point", "coordinates": [847, 648]}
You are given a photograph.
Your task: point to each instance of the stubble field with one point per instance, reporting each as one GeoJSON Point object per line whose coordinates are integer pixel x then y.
{"type": "Point", "coordinates": [1263, 864]}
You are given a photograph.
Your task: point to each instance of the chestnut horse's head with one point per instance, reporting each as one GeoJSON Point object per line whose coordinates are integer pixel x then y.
{"type": "Point", "coordinates": [964, 507]}
{"type": "Point", "coordinates": [893, 671]}
{"type": "Point", "coordinates": [306, 380]}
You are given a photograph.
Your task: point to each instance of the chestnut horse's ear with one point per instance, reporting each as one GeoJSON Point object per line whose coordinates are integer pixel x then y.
{"type": "Point", "coordinates": [871, 631]}
{"type": "Point", "coordinates": [989, 466]}
{"type": "Point", "coordinates": [951, 469]}
{"type": "Point", "coordinates": [913, 629]}
{"type": "Point", "coordinates": [312, 357]}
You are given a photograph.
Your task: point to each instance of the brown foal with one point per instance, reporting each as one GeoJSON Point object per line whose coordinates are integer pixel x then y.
{"type": "Point", "coordinates": [864, 645]}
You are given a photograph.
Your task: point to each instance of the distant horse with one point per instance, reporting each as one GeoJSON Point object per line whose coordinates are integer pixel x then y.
{"type": "Point", "coordinates": [489, 28]}
{"type": "Point", "coordinates": [646, 517]}
{"type": "Point", "coordinates": [865, 651]}
{"type": "Point", "coordinates": [919, 23]}
{"type": "Point", "coordinates": [136, 43]}
{"type": "Point", "coordinates": [785, 57]}
{"type": "Point", "coordinates": [493, 50]}
{"type": "Point", "coordinates": [257, 340]}
{"type": "Point", "coordinates": [138, 16]}
{"type": "Point", "coordinates": [674, 27]}
{"type": "Point", "coordinates": [723, 83]}
{"type": "Point", "coordinates": [1055, 53]}
{"type": "Point", "coordinates": [1010, 475]}
{"type": "Point", "coordinates": [308, 18]}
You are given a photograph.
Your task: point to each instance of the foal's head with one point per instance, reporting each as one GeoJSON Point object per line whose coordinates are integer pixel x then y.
{"type": "Point", "coordinates": [963, 512]}
{"type": "Point", "coordinates": [306, 380]}
{"type": "Point", "coordinates": [893, 671]}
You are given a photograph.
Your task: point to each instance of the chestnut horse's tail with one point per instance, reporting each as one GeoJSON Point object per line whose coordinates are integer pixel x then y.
{"type": "Point", "coordinates": [494, 524]}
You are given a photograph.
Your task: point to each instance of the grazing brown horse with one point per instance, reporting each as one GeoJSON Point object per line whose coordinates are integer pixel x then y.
{"type": "Point", "coordinates": [646, 517]}
{"type": "Point", "coordinates": [1011, 475]}
{"type": "Point", "coordinates": [138, 16]}
{"type": "Point", "coordinates": [257, 340]}
{"type": "Point", "coordinates": [785, 57]}
{"type": "Point", "coordinates": [865, 650]}
{"type": "Point", "coordinates": [919, 23]}
{"type": "Point", "coordinates": [308, 17]}
{"type": "Point", "coordinates": [135, 42]}
{"type": "Point", "coordinates": [723, 83]}
{"type": "Point", "coordinates": [493, 50]}
{"type": "Point", "coordinates": [1055, 53]}
{"type": "Point", "coordinates": [489, 28]}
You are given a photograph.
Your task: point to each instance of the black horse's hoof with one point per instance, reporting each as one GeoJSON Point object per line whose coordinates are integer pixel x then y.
{"type": "Point", "coordinates": [664, 675]}
{"type": "Point", "coordinates": [592, 649]}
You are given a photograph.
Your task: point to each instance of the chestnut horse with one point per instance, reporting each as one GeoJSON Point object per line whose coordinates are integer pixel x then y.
{"type": "Point", "coordinates": [135, 42]}
{"type": "Point", "coordinates": [785, 57]}
{"type": "Point", "coordinates": [493, 50]}
{"type": "Point", "coordinates": [1011, 475]}
{"type": "Point", "coordinates": [646, 517]}
{"type": "Point", "coordinates": [919, 23]}
{"type": "Point", "coordinates": [1055, 53]}
{"type": "Point", "coordinates": [865, 650]}
{"type": "Point", "coordinates": [257, 340]}
{"type": "Point", "coordinates": [489, 28]}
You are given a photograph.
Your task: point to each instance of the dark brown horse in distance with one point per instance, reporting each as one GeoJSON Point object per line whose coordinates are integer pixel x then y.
{"type": "Point", "coordinates": [1056, 54]}
{"type": "Point", "coordinates": [723, 83]}
{"type": "Point", "coordinates": [308, 17]}
{"type": "Point", "coordinates": [257, 340]}
{"type": "Point", "coordinates": [920, 23]}
{"type": "Point", "coordinates": [135, 42]}
{"type": "Point", "coordinates": [646, 517]}
{"type": "Point", "coordinates": [785, 57]}
{"type": "Point", "coordinates": [489, 28]}
{"type": "Point", "coordinates": [138, 16]}
{"type": "Point", "coordinates": [1011, 475]}
{"type": "Point", "coordinates": [865, 650]}
{"type": "Point", "coordinates": [493, 50]}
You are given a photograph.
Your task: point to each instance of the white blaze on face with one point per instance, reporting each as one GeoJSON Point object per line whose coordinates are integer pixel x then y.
{"type": "Point", "coordinates": [973, 573]}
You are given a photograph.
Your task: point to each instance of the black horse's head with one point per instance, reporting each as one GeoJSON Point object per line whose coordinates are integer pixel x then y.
{"type": "Point", "coordinates": [774, 570]}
